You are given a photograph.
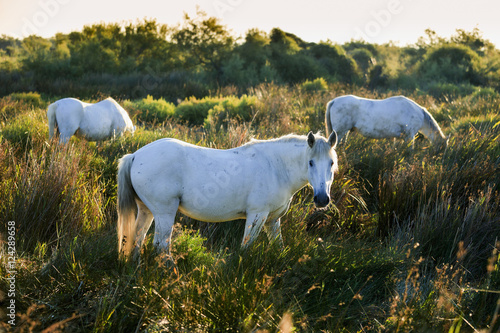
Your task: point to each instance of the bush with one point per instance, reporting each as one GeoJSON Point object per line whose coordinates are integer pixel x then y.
{"type": "Point", "coordinates": [451, 63]}
{"type": "Point", "coordinates": [364, 59]}
{"type": "Point", "coordinates": [232, 108]}
{"type": "Point", "coordinates": [318, 84]}
{"type": "Point", "coordinates": [443, 90]}
{"type": "Point", "coordinates": [150, 110]}
{"type": "Point", "coordinates": [194, 110]}
{"type": "Point", "coordinates": [27, 128]}
{"type": "Point", "coordinates": [488, 94]}
{"type": "Point", "coordinates": [406, 82]}
{"type": "Point", "coordinates": [190, 251]}
{"type": "Point", "coordinates": [333, 60]}
{"type": "Point", "coordinates": [294, 68]}
{"type": "Point", "coordinates": [30, 98]}
{"type": "Point", "coordinates": [216, 111]}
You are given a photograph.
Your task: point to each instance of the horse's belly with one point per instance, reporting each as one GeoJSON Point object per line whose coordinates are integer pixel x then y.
{"type": "Point", "coordinates": [203, 210]}
{"type": "Point", "coordinates": [380, 129]}
{"type": "Point", "coordinates": [93, 132]}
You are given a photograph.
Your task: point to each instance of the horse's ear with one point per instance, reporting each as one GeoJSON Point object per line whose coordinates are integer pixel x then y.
{"type": "Point", "coordinates": [332, 140]}
{"type": "Point", "coordinates": [310, 139]}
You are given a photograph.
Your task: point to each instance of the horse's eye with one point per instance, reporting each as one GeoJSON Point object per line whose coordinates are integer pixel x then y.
{"type": "Point", "coordinates": [331, 163]}
{"type": "Point", "coordinates": [311, 163]}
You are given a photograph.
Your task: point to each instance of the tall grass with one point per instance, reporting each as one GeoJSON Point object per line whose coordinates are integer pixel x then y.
{"type": "Point", "coordinates": [49, 195]}
{"type": "Point", "coordinates": [410, 242]}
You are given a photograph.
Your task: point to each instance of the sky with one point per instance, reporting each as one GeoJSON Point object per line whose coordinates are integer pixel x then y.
{"type": "Point", "coordinates": [375, 21]}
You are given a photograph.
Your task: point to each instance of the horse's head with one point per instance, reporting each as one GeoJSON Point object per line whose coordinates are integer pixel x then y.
{"type": "Point", "coordinates": [322, 162]}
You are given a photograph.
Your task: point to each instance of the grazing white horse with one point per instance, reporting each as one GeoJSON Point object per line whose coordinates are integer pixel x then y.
{"type": "Point", "coordinates": [387, 118]}
{"type": "Point", "coordinates": [255, 181]}
{"type": "Point", "coordinates": [94, 122]}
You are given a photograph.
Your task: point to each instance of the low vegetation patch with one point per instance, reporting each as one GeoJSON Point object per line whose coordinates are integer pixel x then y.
{"type": "Point", "coordinates": [409, 243]}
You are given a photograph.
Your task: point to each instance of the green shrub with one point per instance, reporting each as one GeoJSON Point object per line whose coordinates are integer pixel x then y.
{"type": "Point", "coordinates": [364, 59]}
{"type": "Point", "coordinates": [488, 94]}
{"type": "Point", "coordinates": [378, 77]}
{"type": "Point", "coordinates": [406, 82]}
{"type": "Point", "coordinates": [150, 110]}
{"type": "Point", "coordinates": [232, 108]}
{"type": "Point", "coordinates": [451, 63]}
{"type": "Point", "coordinates": [318, 84]}
{"type": "Point", "coordinates": [26, 128]}
{"type": "Point", "coordinates": [444, 90]}
{"type": "Point", "coordinates": [190, 252]}
{"type": "Point", "coordinates": [30, 98]}
{"type": "Point", "coordinates": [194, 110]}
{"type": "Point", "coordinates": [334, 60]}
{"type": "Point", "coordinates": [294, 68]}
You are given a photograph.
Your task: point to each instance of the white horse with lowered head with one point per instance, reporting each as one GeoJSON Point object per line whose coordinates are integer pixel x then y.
{"type": "Point", "coordinates": [255, 182]}
{"type": "Point", "coordinates": [393, 117]}
{"type": "Point", "coordinates": [94, 122]}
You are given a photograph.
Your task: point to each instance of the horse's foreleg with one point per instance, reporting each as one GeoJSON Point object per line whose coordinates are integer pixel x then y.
{"type": "Point", "coordinates": [253, 225]}
{"type": "Point", "coordinates": [410, 139]}
{"type": "Point", "coordinates": [342, 135]}
{"type": "Point", "coordinates": [273, 230]}
{"type": "Point", "coordinates": [164, 223]}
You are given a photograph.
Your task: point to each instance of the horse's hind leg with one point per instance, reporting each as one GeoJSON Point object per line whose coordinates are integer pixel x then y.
{"type": "Point", "coordinates": [143, 223]}
{"type": "Point", "coordinates": [164, 223]}
{"type": "Point", "coordinates": [65, 133]}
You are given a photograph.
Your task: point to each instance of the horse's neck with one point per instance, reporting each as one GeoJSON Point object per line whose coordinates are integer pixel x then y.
{"type": "Point", "coordinates": [290, 161]}
{"type": "Point", "coordinates": [430, 129]}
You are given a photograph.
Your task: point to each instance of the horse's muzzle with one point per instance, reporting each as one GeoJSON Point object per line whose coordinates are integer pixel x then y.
{"type": "Point", "coordinates": [321, 200]}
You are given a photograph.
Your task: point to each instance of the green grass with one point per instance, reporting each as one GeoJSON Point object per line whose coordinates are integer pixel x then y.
{"type": "Point", "coordinates": [410, 242]}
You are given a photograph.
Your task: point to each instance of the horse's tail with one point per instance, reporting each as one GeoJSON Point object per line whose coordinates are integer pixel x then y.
{"type": "Point", "coordinates": [328, 119]}
{"type": "Point", "coordinates": [126, 204]}
{"type": "Point", "coordinates": [51, 115]}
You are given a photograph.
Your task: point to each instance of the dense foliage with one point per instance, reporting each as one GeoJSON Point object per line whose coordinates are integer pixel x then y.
{"type": "Point", "coordinates": [133, 60]}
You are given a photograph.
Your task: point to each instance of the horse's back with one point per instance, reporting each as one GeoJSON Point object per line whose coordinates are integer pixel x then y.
{"type": "Point", "coordinates": [69, 105]}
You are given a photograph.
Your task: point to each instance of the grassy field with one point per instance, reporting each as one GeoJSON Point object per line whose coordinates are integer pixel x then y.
{"type": "Point", "coordinates": [410, 242]}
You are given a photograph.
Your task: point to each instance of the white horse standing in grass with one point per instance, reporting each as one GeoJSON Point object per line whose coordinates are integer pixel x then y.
{"type": "Point", "coordinates": [255, 181]}
{"type": "Point", "coordinates": [94, 122]}
{"type": "Point", "coordinates": [393, 117]}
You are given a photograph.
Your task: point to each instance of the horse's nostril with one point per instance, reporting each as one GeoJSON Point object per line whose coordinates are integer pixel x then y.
{"type": "Point", "coordinates": [321, 200]}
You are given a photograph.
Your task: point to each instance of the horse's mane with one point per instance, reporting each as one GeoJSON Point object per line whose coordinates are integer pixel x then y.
{"type": "Point", "coordinates": [321, 145]}
{"type": "Point", "coordinates": [285, 138]}
{"type": "Point", "coordinates": [289, 138]}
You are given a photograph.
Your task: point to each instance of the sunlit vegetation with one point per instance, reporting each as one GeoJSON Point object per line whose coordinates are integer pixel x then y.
{"type": "Point", "coordinates": [409, 243]}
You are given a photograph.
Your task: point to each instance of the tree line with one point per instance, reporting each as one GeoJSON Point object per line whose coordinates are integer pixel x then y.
{"type": "Point", "coordinates": [201, 55]}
